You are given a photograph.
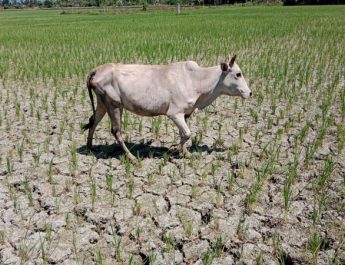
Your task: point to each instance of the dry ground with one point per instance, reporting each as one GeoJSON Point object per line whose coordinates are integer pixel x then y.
{"type": "Point", "coordinates": [61, 204]}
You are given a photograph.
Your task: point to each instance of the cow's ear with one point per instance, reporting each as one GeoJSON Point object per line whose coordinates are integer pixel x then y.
{"type": "Point", "coordinates": [224, 67]}
{"type": "Point", "coordinates": [232, 61]}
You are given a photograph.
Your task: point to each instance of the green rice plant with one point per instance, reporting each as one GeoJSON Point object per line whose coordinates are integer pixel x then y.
{"type": "Point", "coordinates": [314, 244]}
{"type": "Point", "coordinates": [137, 208]}
{"type": "Point", "coordinates": [156, 125]}
{"type": "Point", "coordinates": [76, 196]}
{"type": "Point", "coordinates": [127, 164]}
{"type": "Point", "coordinates": [277, 248]}
{"type": "Point", "coordinates": [169, 242]}
{"type": "Point", "coordinates": [241, 229]}
{"type": "Point", "coordinates": [68, 220]}
{"type": "Point", "coordinates": [140, 126]}
{"type": "Point", "coordinates": [207, 257]}
{"type": "Point", "coordinates": [28, 190]}
{"type": "Point", "coordinates": [340, 137]}
{"type": "Point", "coordinates": [74, 159]}
{"type": "Point", "coordinates": [130, 186]}
{"type": "Point", "coordinates": [44, 258]}
{"type": "Point", "coordinates": [304, 131]}
{"type": "Point", "coordinates": [309, 153]}
{"type": "Point", "coordinates": [234, 149]}
{"type": "Point", "coordinates": [17, 110]}
{"type": "Point", "coordinates": [218, 247]}
{"type": "Point", "coordinates": [260, 258]}
{"type": "Point", "coordinates": [38, 116]}
{"type": "Point", "coordinates": [231, 180]}
{"type": "Point", "coordinates": [116, 244]}
{"type": "Point", "coordinates": [2, 237]}
{"type": "Point", "coordinates": [160, 168]}
{"type": "Point", "coordinates": [193, 191]}
{"type": "Point", "coordinates": [150, 177]}
{"type": "Point", "coordinates": [48, 231]}
{"type": "Point", "coordinates": [100, 260]}
{"type": "Point", "coordinates": [165, 158]}
{"type": "Point", "coordinates": [125, 120]}
{"type": "Point", "coordinates": [261, 177]}
{"type": "Point", "coordinates": [325, 174]}
{"type": "Point", "coordinates": [109, 185]}
{"type": "Point", "coordinates": [50, 171]}
{"type": "Point", "coordinates": [187, 227]}
{"type": "Point", "coordinates": [219, 141]}
{"type": "Point", "coordinates": [342, 104]}
{"type": "Point", "coordinates": [254, 115]}
{"type": "Point", "coordinates": [74, 246]}
{"type": "Point", "coordinates": [25, 251]}
{"type": "Point", "coordinates": [235, 107]}
{"type": "Point", "coordinates": [289, 181]}
{"type": "Point", "coordinates": [152, 257]}
{"type": "Point", "coordinates": [138, 231]}
{"type": "Point", "coordinates": [219, 196]}
{"type": "Point", "coordinates": [36, 156]}
{"type": "Point", "coordinates": [9, 164]}
{"type": "Point", "coordinates": [93, 191]}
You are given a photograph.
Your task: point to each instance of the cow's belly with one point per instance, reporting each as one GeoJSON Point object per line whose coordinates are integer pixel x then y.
{"type": "Point", "coordinates": [147, 105]}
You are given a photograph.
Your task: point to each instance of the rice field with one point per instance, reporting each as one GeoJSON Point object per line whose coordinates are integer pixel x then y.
{"type": "Point", "coordinates": [266, 180]}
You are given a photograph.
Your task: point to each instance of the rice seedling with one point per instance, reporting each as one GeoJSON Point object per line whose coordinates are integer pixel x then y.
{"type": "Point", "coordinates": [2, 237]}
{"type": "Point", "coordinates": [289, 181]}
{"type": "Point", "coordinates": [130, 187]}
{"type": "Point", "coordinates": [260, 258]}
{"type": "Point", "coordinates": [127, 164]}
{"type": "Point", "coordinates": [325, 174]}
{"type": "Point", "coordinates": [109, 185]}
{"type": "Point", "coordinates": [218, 247]}
{"type": "Point", "coordinates": [99, 256]}
{"type": "Point", "coordinates": [137, 208]}
{"type": "Point", "coordinates": [169, 242]}
{"type": "Point", "coordinates": [116, 240]}
{"type": "Point", "coordinates": [152, 257]}
{"type": "Point", "coordinates": [207, 257]}
{"type": "Point", "coordinates": [74, 246]}
{"type": "Point", "coordinates": [9, 164]}
{"type": "Point", "coordinates": [44, 257]}
{"type": "Point", "coordinates": [28, 190]}
{"type": "Point", "coordinates": [93, 191]}
{"type": "Point", "coordinates": [314, 244]}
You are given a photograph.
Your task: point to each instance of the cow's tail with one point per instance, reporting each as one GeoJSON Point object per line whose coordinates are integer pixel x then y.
{"type": "Point", "coordinates": [89, 87]}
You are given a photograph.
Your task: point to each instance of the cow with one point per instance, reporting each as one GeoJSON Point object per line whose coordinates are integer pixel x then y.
{"type": "Point", "coordinates": [175, 90]}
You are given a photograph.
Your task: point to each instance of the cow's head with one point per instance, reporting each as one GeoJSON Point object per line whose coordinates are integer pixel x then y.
{"type": "Point", "coordinates": [233, 82]}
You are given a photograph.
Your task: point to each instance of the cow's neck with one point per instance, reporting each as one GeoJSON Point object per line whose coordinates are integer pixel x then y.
{"type": "Point", "coordinates": [209, 80]}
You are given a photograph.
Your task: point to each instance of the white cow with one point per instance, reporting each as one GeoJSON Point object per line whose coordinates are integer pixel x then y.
{"type": "Point", "coordinates": [175, 90]}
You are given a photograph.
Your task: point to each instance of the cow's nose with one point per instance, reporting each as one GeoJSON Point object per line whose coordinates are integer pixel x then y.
{"type": "Point", "coordinates": [250, 94]}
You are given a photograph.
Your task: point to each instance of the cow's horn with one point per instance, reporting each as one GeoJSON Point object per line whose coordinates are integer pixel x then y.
{"type": "Point", "coordinates": [232, 60]}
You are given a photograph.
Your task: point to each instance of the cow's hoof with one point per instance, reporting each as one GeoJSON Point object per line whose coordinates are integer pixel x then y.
{"type": "Point", "coordinates": [187, 154]}
{"type": "Point", "coordinates": [175, 148]}
{"type": "Point", "coordinates": [133, 159]}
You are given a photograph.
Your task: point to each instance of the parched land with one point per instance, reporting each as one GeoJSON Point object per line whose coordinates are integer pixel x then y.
{"type": "Point", "coordinates": [265, 183]}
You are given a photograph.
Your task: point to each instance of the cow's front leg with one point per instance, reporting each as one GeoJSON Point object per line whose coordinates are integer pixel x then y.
{"type": "Point", "coordinates": [115, 117]}
{"type": "Point", "coordinates": [179, 120]}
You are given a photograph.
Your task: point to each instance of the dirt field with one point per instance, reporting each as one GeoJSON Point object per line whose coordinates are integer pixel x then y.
{"type": "Point", "coordinates": [265, 184]}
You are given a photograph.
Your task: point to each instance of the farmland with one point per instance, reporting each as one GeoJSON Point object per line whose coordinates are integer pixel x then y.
{"type": "Point", "coordinates": [266, 180]}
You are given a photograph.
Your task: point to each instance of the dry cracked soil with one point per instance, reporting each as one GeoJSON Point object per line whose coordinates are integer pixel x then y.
{"type": "Point", "coordinates": [63, 204]}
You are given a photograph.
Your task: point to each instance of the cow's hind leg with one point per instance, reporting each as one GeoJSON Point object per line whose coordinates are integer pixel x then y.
{"type": "Point", "coordinates": [185, 133]}
{"type": "Point", "coordinates": [94, 120]}
{"type": "Point", "coordinates": [115, 115]}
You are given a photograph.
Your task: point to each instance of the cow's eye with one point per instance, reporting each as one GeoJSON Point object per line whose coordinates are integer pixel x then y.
{"type": "Point", "coordinates": [238, 74]}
